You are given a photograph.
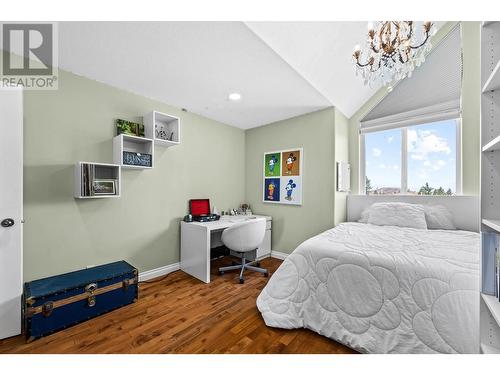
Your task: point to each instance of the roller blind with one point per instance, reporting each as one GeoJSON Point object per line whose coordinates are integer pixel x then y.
{"type": "Point", "coordinates": [431, 94]}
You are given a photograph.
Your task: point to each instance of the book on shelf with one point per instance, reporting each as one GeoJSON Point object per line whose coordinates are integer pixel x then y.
{"type": "Point", "coordinates": [87, 177]}
{"type": "Point", "coordinates": [497, 273]}
{"type": "Point", "coordinates": [490, 264]}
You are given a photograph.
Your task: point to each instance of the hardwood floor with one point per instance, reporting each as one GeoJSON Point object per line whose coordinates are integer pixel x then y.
{"type": "Point", "coordinates": [180, 314]}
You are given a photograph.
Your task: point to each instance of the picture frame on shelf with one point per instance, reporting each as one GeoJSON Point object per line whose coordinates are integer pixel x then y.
{"type": "Point", "coordinates": [104, 187]}
{"type": "Point", "coordinates": [129, 128]}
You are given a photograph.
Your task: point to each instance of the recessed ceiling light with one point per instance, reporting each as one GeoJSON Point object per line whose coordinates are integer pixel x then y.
{"type": "Point", "coordinates": [234, 96]}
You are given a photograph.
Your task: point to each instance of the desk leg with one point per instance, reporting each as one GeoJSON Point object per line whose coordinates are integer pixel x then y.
{"type": "Point", "coordinates": [195, 251]}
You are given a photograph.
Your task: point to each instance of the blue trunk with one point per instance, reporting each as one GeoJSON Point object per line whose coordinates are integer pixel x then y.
{"type": "Point", "coordinates": [57, 302]}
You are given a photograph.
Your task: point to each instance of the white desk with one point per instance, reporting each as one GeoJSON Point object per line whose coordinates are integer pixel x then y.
{"type": "Point", "coordinates": [198, 238]}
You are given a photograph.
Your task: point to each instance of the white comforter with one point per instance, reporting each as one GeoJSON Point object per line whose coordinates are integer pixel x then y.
{"type": "Point", "coordinates": [381, 289]}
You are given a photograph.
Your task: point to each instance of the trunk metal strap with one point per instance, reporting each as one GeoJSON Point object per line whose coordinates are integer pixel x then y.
{"type": "Point", "coordinates": [30, 311]}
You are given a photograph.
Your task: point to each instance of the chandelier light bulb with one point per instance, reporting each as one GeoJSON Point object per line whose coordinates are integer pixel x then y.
{"type": "Point", "coordinates": [369, 26]}
{"type": "Point", "coordinates": [357, 48]}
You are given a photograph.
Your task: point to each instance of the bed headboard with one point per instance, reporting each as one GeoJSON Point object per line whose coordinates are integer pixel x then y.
{"type": "Point", "coordinates": [464, 208]}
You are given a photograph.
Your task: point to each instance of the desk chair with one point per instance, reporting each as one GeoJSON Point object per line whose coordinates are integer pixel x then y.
{"type": "Point", "coordinates": [242, 238]}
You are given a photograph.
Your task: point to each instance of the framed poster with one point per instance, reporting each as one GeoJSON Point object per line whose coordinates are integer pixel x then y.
{"type": "Point", "coordinates": [282, 177]}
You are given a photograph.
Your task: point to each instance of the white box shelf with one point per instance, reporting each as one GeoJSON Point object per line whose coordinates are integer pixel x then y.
{"type": "Point", "coordinates": [163, 129]}
{"type": "Point", "coordinates": [130, 143]}
{"type": "Point", "coordinates": [87, 173]}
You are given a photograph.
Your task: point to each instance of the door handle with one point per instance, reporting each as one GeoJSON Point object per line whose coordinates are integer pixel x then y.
{"type": "Point", "coordinates": [7, 222]}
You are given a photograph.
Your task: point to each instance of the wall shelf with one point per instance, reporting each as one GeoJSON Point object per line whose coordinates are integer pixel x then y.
{"type": "Point", "coordinates": [130, 143]}
{"type": "Point", "coordinates": [493, 145]}
{"type": "Point", "coordinates": [88, 173]}
{"type": "Point", "coordinates": [156, 123]}
{"type": "Point", "coordinates": [493, 81]}
{"type": "Point", "coordinates": [489, 349]}
{"type": "Point", "coordinates": [493, 305]}
{"type": "Point", "coordinates": [492, 224]}
{"type": "Point", "coordinates": [488, 23]}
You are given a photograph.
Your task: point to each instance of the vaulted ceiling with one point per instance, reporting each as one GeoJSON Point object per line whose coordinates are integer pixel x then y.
{"type": "Point", "coordinates": [281, 69]}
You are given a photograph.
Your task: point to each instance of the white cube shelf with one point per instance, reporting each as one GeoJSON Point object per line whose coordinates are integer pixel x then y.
{"type": "Point", "coordinates": [87, 173]}
{"type": "Point", "coordinates": [163, 129]}
{"type": "Point", "coordinates": [130, 143]}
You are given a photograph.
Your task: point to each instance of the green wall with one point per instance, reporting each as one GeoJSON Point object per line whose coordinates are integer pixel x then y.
{"type": "Point", "coordinates": [76, 123]}
{"type": "Point", "coordinates": [471, 88]}
{"type": "Point", "coordinates": [315, 133]}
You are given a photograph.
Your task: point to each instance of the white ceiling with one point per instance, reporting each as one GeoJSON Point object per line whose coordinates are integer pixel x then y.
{"type": "Point", "coordinates": [322, 53]}
{"type": "Point", "coordinates": [281, 69]}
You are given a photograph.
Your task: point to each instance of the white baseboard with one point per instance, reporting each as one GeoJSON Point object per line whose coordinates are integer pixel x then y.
{"type": "Point", "coordinates": [278, 254]}
{"type": "Point", "coordinates": [160, 271]}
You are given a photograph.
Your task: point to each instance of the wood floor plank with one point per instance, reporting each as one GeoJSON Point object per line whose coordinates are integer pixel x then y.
{"type": "Point", "coordinates": [180, 314]}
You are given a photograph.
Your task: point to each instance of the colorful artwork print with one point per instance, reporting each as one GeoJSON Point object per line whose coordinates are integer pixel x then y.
{"type": "Point", "coordinates": [282, 176]}
{"type": "Point", "coordinates": [290, 163]}
{"type": "Point", "coordinates": [272, 164]}
{"type": "Point", "coordinates": [291, 190]}
{"type": "Point", "coordinates": [272, 189]}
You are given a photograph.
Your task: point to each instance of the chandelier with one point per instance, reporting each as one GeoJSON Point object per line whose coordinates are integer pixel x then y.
{"type": "Point", "coordinates": [392, 52]}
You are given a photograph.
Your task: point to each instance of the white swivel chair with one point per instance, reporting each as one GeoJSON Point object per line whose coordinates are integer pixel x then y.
{"type": "Point", "coordinates": [242, 238]}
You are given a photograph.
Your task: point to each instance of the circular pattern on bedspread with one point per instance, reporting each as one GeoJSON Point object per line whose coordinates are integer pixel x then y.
{"type": "Point", "coordinates": [355, 290]}
{"type": "Point", "coordinates": [451, 314]}
{"type": "Point", "coordinates": [284, 283]}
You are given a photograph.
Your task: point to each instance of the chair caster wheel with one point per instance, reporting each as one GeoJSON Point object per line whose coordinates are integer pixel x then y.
{"type": "Point", "coordinates": [242, 281]}
{"type": "Point", "coordinates": [221, 273]}
{"type": "Point", "coordinates": [258, 264]}
{"type": "Point", "coordinates": [266, 274]}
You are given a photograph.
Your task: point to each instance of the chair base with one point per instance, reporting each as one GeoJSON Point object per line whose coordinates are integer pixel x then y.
{"type": "Point", "coordinates": [244, 266]}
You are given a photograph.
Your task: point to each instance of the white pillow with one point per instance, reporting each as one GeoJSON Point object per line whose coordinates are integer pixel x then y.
{"type": "Point", "coordinates": [364, 216]}
{"type": "Point", "coordinates": [438, 217]}
{"type": "Point", "coordinates": [398, 214]}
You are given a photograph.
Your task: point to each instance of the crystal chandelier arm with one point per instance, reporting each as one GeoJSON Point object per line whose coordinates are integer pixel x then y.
{"type": "Point", "coordinates": [427, 30]}
{"type": "Point", "coordinates": [427, 36]}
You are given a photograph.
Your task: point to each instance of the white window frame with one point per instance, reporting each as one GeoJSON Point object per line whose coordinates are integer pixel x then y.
{"type": "Point", "coordinates": [404, 159]}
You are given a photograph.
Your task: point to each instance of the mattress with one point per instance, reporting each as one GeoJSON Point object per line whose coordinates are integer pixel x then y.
{"type": "Point", "coordinates": [381, 289]}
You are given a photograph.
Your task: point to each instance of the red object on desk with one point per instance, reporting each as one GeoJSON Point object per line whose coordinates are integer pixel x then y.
{"type": "Point", "coordinates": [199, 207]}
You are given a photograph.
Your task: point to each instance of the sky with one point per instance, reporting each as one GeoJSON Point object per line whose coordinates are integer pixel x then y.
{"type": "Point", "coordinates": [431, 156]}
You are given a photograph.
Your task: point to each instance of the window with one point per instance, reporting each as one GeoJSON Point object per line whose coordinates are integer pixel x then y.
{"type": "Point", "coordinates": [383, 162]}
{"type": "Point", "coordinates": [421, 159]}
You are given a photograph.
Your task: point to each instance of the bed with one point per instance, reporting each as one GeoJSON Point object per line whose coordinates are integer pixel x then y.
{"type": "Point", "coordinates": [384, 289]}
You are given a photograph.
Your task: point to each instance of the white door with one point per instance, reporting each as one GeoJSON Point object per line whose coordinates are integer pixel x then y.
{"type": "Point", "coordinates": [11, 205]}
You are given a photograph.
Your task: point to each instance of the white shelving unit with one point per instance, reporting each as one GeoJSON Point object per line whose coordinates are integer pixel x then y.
{"type": "Point", "coordinates": [493, 145]}
{"type": "Point", "coordinates": [493, 81]}
{"type": "Point", "coordinates": [96, 172]}
{"type": "Point", "coordinates": [129, 143]}
{"type": "Point", "coordinates": [492, 224]}
{"type": "Point", "coordinates": [488, 23]}
{"type": "Point", "coordinates": [490, 172]}
{"type": "Point", "coordinates": [163, 129]}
